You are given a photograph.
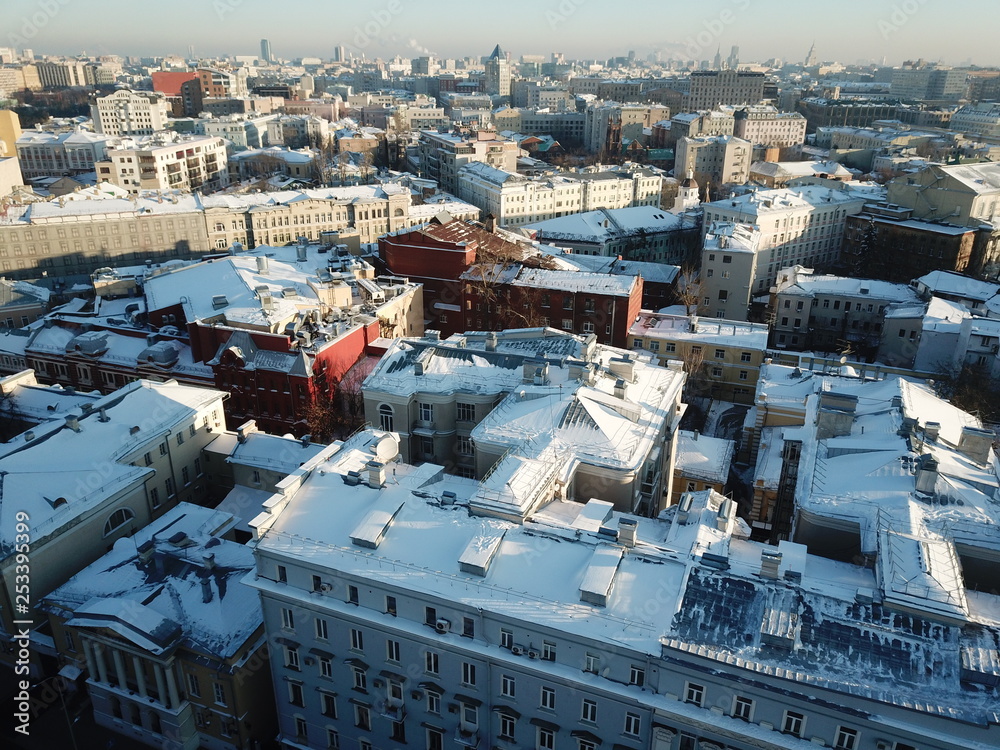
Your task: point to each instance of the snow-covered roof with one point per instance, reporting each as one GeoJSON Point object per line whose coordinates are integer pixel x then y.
{"type": "Point", "coordinates": [957, 285]}
{"type": "Point", "coordinates": [576, 281]}
{"type": "Point", "coordinates": [703, 456]}
{"type": "Point", "coordinates": [604, 225]}
{"type": "Point", "coordinates": [799, 281]}
{"type": "Point", "coordinates": [697, 565]}
{"type": "Point", "coordinates": [161, 605]}
{"type": "Point", "coordinates": [273, 452]}
{"type": "Point", "coordinates": [707, 331]}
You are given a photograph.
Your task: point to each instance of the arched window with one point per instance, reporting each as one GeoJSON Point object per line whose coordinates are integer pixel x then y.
{"type": "Point", "coordinates": [118, 519]}
{"type": "Point", "coordinates": [385, 417]}
{"type": "Point", "coordinates": [398, 212]}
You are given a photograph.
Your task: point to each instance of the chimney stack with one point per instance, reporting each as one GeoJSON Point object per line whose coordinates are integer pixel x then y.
{"type": "Point", "coordinates": [376, 474]}
{"type": "Point", "coordinates": [73, 422]}
{"type": "Point", "coordinates": [262, 265]}
{"type": "Point", "coordinates": [627, 528]}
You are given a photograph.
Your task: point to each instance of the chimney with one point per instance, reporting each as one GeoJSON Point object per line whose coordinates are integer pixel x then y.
{"type": "Point", "coordinates": [932, 430]}
{"type": "Point", "coordinates": [247, 428]}
{"type": "Point", "coordinates": [491, 341]}
{"type": "Point", "coordinates": [770, 561]}
{"type": "Point", "coordinates": [376, 474]}
{"type": "Point", "coordinates": [694, 436]}
{"type": "Point", "coordinates": [206, 590]}
{"type": "Point", "coordinates": [262, 265]}
{"type": "Point", "coordinates": [208, 559]}
{"type": "Point", "coordinates": [103, 412]}
{"type": "Point", "coordinates": [305, 440]}
{"type": "Point", "coordinates": [620, 389]}
{"type": "Point", "coordinates": [684, 508]}
{"type": "Point", "coordinates": [301, 252]}
{"type": "Point", "coordinates": [627, 528]}
{"type": "Point", "coordinates": [927, 473]}
{"type": "Point", "coordinates": [72, 422]}
{"type": "Point", "coordinates": [29, 436]}
{"type": "Point", "coordinates": [976, 444]}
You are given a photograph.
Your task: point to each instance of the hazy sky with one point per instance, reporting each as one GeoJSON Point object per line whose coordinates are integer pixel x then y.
{"type": "Point", "coordinates": [844, 30]}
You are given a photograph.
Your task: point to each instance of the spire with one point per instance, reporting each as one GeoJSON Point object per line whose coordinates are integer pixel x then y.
{"type": "Point", "coordinates": [498, 54]}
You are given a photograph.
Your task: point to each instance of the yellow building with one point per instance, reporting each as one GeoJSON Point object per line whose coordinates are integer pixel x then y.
{"type": "Point", "coordinates": [10, 131]}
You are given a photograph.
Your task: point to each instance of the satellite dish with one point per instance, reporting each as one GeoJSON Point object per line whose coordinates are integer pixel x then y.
{"type": "Point", "coordinates": [387, 449]}
{"type": "Point", "coordinates": [843, 360]}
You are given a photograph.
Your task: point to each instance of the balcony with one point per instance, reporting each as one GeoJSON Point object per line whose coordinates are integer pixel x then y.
{"type": "Point", "coordinates": [467, 737]}
{"type": "Point", "coordinates": [392, 710]}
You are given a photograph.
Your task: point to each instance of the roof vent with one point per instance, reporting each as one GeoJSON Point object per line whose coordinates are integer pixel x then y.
{"type": "Point", "coordinates": [262, 265]}
{"type": "Point", "coordinates": [72, 422]}
{"type": "Point", "coordinates": [219, 301]}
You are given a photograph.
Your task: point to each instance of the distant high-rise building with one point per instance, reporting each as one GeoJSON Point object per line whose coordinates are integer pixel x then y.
{"type": "Point", "coordinates": [190, 52]}
{"type": "Point", "coordinates": [338, 54]}
{"type": "Point", "coordinates": [265, 50]}
{"type": "Point", "coordinates": [810, 60]}
{"type": "Point", "coordinates": [717, 63]}
{"type": "Point", "coordinates": [497, 73]}
{"type": "Point", "coordinates": [734, 58]}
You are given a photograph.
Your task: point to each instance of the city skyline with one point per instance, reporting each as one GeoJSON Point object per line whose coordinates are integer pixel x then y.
{"type": "Point", "coordinates": [761, 29]}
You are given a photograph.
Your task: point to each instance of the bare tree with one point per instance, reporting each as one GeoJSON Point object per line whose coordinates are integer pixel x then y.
{"type": "Point", "coordinates": [698, 384]}
{"type": "Point", "coordinates": [688, 289]}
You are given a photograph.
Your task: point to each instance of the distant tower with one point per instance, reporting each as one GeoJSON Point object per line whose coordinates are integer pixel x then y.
{"type": "Point", "coordinates": [265, 50]}
{"type": "Point", "coordinates": [718, 59]}
{"type": "Point", "coordinates": [190, 52]}
{"type": "Point", "coordinates": [339, 54]}
{"type": "Point", "coordinates": [497, 75]}
{"type": "Point", "coordinates": [734, 58]}
{"type": "Point", "coordinates": [811, 57]}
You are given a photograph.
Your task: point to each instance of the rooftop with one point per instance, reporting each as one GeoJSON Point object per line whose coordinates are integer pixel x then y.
{"type": "Point", "coordinates": [707, 331]}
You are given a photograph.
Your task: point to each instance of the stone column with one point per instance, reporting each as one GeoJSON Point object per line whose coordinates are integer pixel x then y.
{"type": "Point", "coordinates": [88, 652]}
{"type": "Point", "coordinates": [119, 668]}
{"type": "Point", "coordinates": [102, 665]}
{"type": "Point", "coordinates": [140, 675]}
{"type": "Point", "coordinates": [175, 699]}
{"type": "Point", "coordinates": [161, 687]}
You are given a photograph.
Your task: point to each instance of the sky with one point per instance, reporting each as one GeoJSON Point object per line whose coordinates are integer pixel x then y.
{"type": "Point", "coordinates": [846, 31]}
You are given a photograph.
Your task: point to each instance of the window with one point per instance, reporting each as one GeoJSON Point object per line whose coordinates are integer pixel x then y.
{"type": "Point", "coordinates": [385, 417]}
{"type": "Point", "coordinates": [546, 739]}
{"type": "Point", "coordinates": [507, 686]}
{"type": "Point", "coordinates": [301, 728]}
{"type": "Point", "coordinates": [256, 476]}
{"type": "Point", "coordinates": [637, 676]}
{"type": "Point", "coordinates": [362, 718]}
{"type": "Point", "coordinates": [720, 353]}
{"type": "Point", "coordinates": [322, 632]}
{"type": "Point", "coordinates": [118, 519]}
{"type": "Point", "coordinates": [332, 739]}
{"type": "Point", "coordinates": [694, 694]}
{"type": "Point", "coordinates": [435, 739]}
{"type": "Point", "coordinates": [847, 739]}
{"type": "Point", "coordinates": [431, 662]}
{"type": "Point", "coordinates": [282, 574]}
{"type": "Point", "coordinates": [328, 704]}
{"type": "Point", "coordinates": [426, 412]}
{"type": "Point", "coordinates": [390, 605]}
{"type": "Point", "coordinates": [194, 689]}
{"type": "Point", "coordinates": [433, 702]}
{"type": "Point", "coordinates": [291, 657]}
{"type": "Point", "coordinates": [463, 446]}
{"type": "Point", "coordinates": [716, 372]}
{"type": "Point", "coordinates": [352, 594]}
{"type": "Point", "coordinates": [465, 412]}
{"type": "Point", "coordinates": [357, 640]}
{"type": "Point", "coordinates": [548, 651]}
{"type": "Point", "coordinates": [191, 430]}
{"type": "Point", "coordinates": [589, 711]}
{"type": "Point", "coordinates": [180, 438]}
{"type": "Point", "coordinates": [148, 458]}
{"type": "Point", "coordinates": [468, 673]}
{"type": "Point", "coordinates": [507, 725]}
{"type": "Point", "coordinates": [793, 723]}
{"type": "Point", "coordinates": [470, 717]}
{"type": "Point", "coordinates": [360, 678]}
{"type": "Point", "coordinates": [430, 616]}
{"type": "Point", "coordinates": [169, 485]}
{"type": "Point", "coordinates": [295, 695]}
{"type": "Point", "coordinates": [317, 583]}
{"type": "Point", "coordinates": [588, 327]}
{"type": "Point", "coordinates": [746, 357]}
{"type": "Point", "coordinates": [154, 497]}
{"type": "Point", "coordinates": [592, 663]}
{"type": "Point", "coordinates": [506, 638]}
{"type": "Point", "coordinates": [549, 698]}
{"type": "Point", "coordinates": [670, 346]}
{"type": "Point", "coordinates": [392, 650]}
{"type": "Point", "coordinates": [632, 724]}
{"type": "Point", "coordinates": [744, 374]}
{"type": "Point", "coordinates": [743, 708]}
{"type": "Point", "coordinates": [325, 668]}
{"type": "Point", "coordinates": [468, 627]}
{"type": "Point", "coordinates": [287, 619]}
{"type": "Point", "coordinates": [567, 324]}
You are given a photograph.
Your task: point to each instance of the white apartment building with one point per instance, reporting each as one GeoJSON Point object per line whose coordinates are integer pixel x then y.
{"type": "Point", "coordinates": [803, 225]}
{"type": "Point", "coordinates": [765, 125]}
{"type": "Point", "coordinates": [167, 162]}
{"type": "Point", "coordinates": [126, 112]}
{"type": "Point", "coordinates": [983, 119]}
{"type": "Point", "coordinates": [516, 200]}
{"type": "Point", "coordinates": [730, 272]}
{"type": "Point", "coordinates": [718, 160]}
{"type": "Point", "coordinates": [442, 155]}
{"type": "Point", "coordinates": [440, 611]}
{"type": "Point", "coordinates": [241, 131]}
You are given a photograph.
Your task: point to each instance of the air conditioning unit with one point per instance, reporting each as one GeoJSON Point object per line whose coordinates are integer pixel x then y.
{"type": "Point", "coordinates": [378, 683]}
{"type": "Point", "coordinates": [453, 708]}
{"type": "Point", "coordinates": [883, 745]}
{"type": "Point", "coordinates": [442, 626]}
{"type": "Point", "coordinates": [416, 695]}
{"type": "Point", "coordinates": [310, 661]}
{"type": "Point", "coordinates": [326, 588]}
{"type": "Point", "coordinates": [532, 654]}
{"type": "Point", "coordinates": [517, 650]}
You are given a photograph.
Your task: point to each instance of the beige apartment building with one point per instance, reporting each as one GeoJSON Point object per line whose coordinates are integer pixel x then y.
{"type": "Point", "coordinates": [167, 162]}
{"type": "Point", "coordinates": [442, 155]}
{"type": "Point", "coordinates": [724, 355]}
{"type": "Point", "coordinates": [716, 160]}
{"type": "Point", "coordinates": [126, 112]}
{"type": "Point", "coordinates": [729, 270]}
{"type": "Point", "coordinates": [766, 126]}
